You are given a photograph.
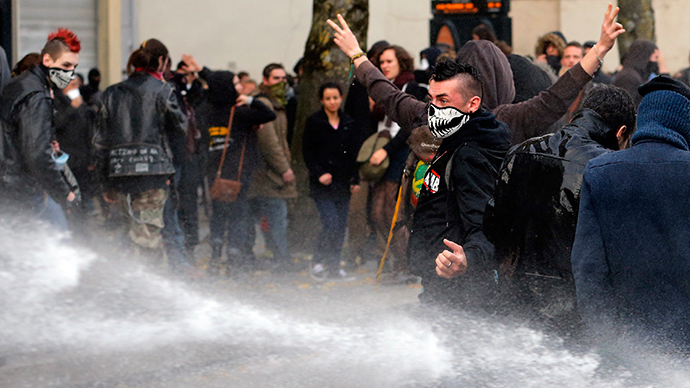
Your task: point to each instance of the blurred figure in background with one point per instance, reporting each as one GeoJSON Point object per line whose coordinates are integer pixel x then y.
{"type": "Point", "coordinates": [642, 62]}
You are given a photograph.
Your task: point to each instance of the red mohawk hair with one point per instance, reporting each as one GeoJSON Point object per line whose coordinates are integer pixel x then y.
{"type": "Point", "coordinates": [68, 37]}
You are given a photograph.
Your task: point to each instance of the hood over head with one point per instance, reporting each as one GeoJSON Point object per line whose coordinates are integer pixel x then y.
{"type": "Point", "coordinates": [221, 88]}
{"type": "Point", "coordinates": [554, 38]}
{"type": "Point", "coordinates": [497, 77]}
{"type": "Point", "coordinates": [638, 56]}
{"type": "Point", "coordinates": [529, 79]}
{"type": "Point", "coordinates": [431, 54]}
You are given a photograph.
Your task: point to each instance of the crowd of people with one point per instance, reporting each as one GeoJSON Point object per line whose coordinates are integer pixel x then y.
{"type": "Point", "coordinates": [492, 175]}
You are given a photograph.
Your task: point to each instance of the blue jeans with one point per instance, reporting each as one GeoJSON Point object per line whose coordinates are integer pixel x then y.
{"type": "Point", "coordinates": [46, 209]}
{"type": "Point", "coordinates": [173, 238]}
{"type": "Point", "coordinates": [275, 210]}
{"type": "Point", "coordinates": [234, 218]}
{"type": "Point", "coordinates": [333, 214]}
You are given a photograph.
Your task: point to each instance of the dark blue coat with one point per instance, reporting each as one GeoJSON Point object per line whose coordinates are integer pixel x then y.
{"type": "Point", "coordinates": [631, 257]}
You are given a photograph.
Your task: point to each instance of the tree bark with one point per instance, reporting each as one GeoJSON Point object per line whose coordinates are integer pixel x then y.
{"type": "Point", "coordinates": [322, 61]}
{"type": "Point", "coordinates": [637, 17]}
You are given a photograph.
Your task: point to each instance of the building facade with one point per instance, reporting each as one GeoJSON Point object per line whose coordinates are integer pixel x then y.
{"type": "Point", "coordinates": [248, 34]}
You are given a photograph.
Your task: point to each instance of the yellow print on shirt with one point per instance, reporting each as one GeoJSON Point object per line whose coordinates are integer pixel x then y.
{"type": "Point", "coordinates": [218, 131]}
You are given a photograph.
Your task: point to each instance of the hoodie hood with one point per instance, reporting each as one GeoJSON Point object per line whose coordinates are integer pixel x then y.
{"type": "Point", "coordinates": [638, 57]}
{"type": "Point", "coordinates": [552, 38]}
{"type": "Point", "coordinates": [431, 54]}
{"type": "Point", "coordinates": [497, 77]}
{"type": "Point", "coordinates": [482, 129]}
{"type": "Point", "coordinates": [529, 79]}
{"type": "Point", "coordinates": [221, 88]}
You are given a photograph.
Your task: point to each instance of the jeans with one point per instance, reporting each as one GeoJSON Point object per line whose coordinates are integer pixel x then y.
{"type": "Point", "coordinates": [191, 177]}
{"type": "Point", "coordinates": [234, 218]}
{"type": "Point", "coordinates": [173, 238]}
{"type": "Point", "coordinates": [275, 210]}
{"type": "Point", "coordinates": [333, 214]}
{"type": "Point", "coordinates": [46, 209]}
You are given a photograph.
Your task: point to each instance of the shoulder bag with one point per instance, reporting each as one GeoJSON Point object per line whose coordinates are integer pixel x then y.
{"type": "Point", "coordinates": [227, 190]}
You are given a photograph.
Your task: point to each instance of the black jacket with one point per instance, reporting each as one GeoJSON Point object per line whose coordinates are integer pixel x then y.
{"type": "Point", "coordinates": [26, 165]}
{"type": "Point", "coordinates": [212, 122]}
{"type": "Point", "coordinates": [532, 217]}
{"type": "Point", "coordinates": [457, 214]}
{"type": "Point", "coordinates": [329, 150]}
{"type": "Point", "coordinates": [135, 119]}
{"type": "Point", "coordinates": [74, 128]}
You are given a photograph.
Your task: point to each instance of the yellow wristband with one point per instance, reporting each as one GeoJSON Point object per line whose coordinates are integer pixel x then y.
{"type": "Point", "coordinates": [361, 54]}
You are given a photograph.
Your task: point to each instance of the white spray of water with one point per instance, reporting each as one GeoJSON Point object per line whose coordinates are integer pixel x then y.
{"type": "Point", "coordinates": [55, 296]}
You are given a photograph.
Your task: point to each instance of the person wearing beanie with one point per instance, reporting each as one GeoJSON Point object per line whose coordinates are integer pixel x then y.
{"type": "Point", "coordinates": [631, 256]}
{"type": "Point", "coordinates": [30, 181]}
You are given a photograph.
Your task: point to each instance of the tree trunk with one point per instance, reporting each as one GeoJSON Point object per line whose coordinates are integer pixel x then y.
{"type": "Point", "coordinates": [323, 61]}
{"type": "Point", "coordinates": [637, 17]}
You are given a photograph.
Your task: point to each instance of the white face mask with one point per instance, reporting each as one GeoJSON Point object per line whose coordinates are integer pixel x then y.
{"type": "Point", "coordinates": [423, 64]}
{"type": "Point", "coordinates": [60, 77]}
{"type": "Point", "coordinates": [444, 122]}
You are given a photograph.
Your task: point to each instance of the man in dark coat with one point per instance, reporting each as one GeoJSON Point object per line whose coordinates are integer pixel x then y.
{"type": "Point", "coordinates": [456, 188]}
{"type": "Point", "coordinates": [631, 257]}
{"type": "Point", "coordinates": [27, 170]}
{"type": "Point", "coordinates": [532, 216]}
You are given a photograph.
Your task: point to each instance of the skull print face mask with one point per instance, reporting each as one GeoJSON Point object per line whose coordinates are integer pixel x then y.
{"type": "Point", "coordinates": [444, 122]}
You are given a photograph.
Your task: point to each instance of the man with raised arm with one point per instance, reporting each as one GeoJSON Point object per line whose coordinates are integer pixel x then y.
{"type": "Point", "coordinates": [456, 188]}
{"type": "Point", "coordinates": [451, 205]}
{"type": "Point", "coordinates": [526, 119]}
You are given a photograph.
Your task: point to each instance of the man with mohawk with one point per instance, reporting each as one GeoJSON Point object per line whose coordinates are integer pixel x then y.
{"type": "Point", "coordinates": [30, 177]}
{"type": "Point", "coordinates": [457, 185]}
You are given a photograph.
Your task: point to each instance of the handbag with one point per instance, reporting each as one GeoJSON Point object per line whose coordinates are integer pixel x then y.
{"type": "Point", "coordinates": [227, 190]}
{"type": "Point", "coordinates": [375, 142]}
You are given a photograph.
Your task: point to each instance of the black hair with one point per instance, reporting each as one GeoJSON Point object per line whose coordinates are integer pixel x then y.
{"type": "Point", "coordinates": [615, 106]}
{"type": "Point", "coordinates": [270, 67]}
{"type": "Point", "coordinates": [329, 85]}
{"type": "Point", "coordinates": [471, 78]}
{"type": "Point", "coordinates": [375, 50]}
{"type": "Point", "coordinates": [588, 44]}
{"type": "Point", "coordinates": [146, 56]}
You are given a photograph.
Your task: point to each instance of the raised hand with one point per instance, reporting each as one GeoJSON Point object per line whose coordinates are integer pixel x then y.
{"type": "Point", "coordinates": [190, 63]}
{"type": "Point", "coordinates": [344, 37]}
{"type": "Point", "coordinates": [610, 30]}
